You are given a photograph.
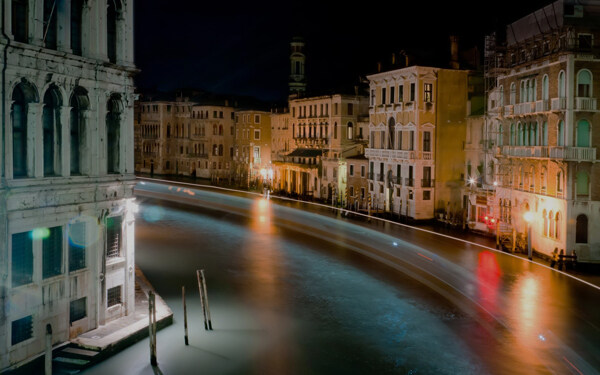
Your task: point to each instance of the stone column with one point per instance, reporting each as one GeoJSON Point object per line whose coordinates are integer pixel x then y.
{"type": "Point", "coordinates": [35, 143]}
{"type": "Point", "coordinates": [7, 18]}
{"type": "Point", "coordinates": [65, 141]}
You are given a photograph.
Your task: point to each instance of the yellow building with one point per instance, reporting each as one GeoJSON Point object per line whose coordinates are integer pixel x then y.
{"type": "Point", "coordinates": [252, 152]}
{"type": "Point", "coordinates": [416, 130]}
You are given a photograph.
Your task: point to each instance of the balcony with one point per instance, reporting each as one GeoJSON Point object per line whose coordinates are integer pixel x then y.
{"type": "Point", "coordinates": [409, 182]}
{"type": "Point", "coordinates": [525, 151]}
{"type": "Point", "coordinates": [585, 104]}
{"type": "Point", "coordinates": [398, 180]}
{"type": "Point", "coordinates": [391, 154]}
{"type": "Point", "coordinates": [150, 136]}
{"type": "Point", "coordinates": [509, 110]}
{"type": "Point", "coordinates": [545, 152]}
{"type": "Point", "coordinates": [380, 177]}
{"type": "Point", "coordinates": [524, 108]}
{"type": "Point", "coordinates": [542, 105]}
{"type": "Point", "coordinates": [558, 104]}
{"type": "Point", "coordinates": [370, 176]}
{"type": "Point", "coordinates": [427, 183]}
{"type": "Point", "coordinates": [573, 153]}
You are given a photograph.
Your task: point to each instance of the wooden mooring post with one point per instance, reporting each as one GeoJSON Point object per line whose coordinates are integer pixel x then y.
{"type": "Point", "coordinates": [184, 315]}
{"type": "Point", "coordinates": [152, 327]}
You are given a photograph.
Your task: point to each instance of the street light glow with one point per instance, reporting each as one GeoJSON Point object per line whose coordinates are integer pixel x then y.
{"type": "Point", "coordinates": [528, 216]}
{"type": "Point", "coordinates": [471, 180]}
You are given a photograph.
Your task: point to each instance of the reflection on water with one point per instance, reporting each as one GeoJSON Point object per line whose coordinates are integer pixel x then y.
{"type": "Point", "coordinates": [263, 260]}
{"type": "Point", "coordinates": [488, 277]}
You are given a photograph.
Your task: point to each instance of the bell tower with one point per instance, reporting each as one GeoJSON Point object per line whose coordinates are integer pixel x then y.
{"type": "Point", "coordinates": [298, 63]}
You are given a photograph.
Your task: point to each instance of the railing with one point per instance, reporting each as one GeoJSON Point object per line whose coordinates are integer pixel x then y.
{"type": "Point", "coordinates": [525, 108]}
{"type": "Point", "coordinates": [398, 180]}
{"type": "Point", "coordinates": [370, 176]}
{"type": "Point", "coordinates": [426, 155]}
{"type": "Point", "coordinates": [509, 110]}
{"type": "Point", "coordinates": [585, 104]}
{"type": "Point", "coordinates": [409, 182]}
{"type": "Point", "coordinates": [150, 136]}
{"type": "Point", "coordinates": [390, 154]}
{"type": "Point", "coordinates": [558, 104]}
{"type": "Point", "coordinates": [542, 105]}
{"type": "Point", "coordinates": [526, 151]}
{"type": "Point", "coordinates": [427, 183]}
{"type": "Point", "coordinates": [380, 177]}
{"type": "Point", "coordinates": [573, 153]}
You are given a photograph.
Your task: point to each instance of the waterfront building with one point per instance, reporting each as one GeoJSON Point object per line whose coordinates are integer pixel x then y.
{"type": "Point", "coordinates": [252, 152]}
{"type": "Point", "coordinates": [547, 80]}
{"type": "Point", "coordinates": [417, 128]}
{"type": "Point", "coordinates": [67, 172]}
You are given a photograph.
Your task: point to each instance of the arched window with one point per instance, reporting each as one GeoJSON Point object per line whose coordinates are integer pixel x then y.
{"type": "Point", "coordinates": [531, 178]}
{"type": "Point", "coordinates": [112, 10]}
{"type": "Point", "coordinates": [391, 131]}
{"type": "Point", "coordinates": [551, 224]}
{"type": "Point", "coordinates": [562, 88]}
{"type": "Point", "coordinates": [545, 94]}
{"type": "Point", "coordinates": [50, 11]}
{"type": "Point", "coordinates": [113, 133]}
{"type": "Point", "coordinates": [79, 104]}
{"type": "Point", "coordinates": [559, 182]}
{"type": "Point", "coordinates": [220, 129]}
{"type": "Point", "coordinates": [335, 130]}
{"type": "Point", "coordinates": [513, 93]}
{"type": "Point", "coordinates": [557, 226]}
{"type": "Point", "coordinates": [350, 130]}
{"type": "Point", "coordinates": [544, 179]}
{"type": "Point", "coordinates": [215, 150]}
{"type": "Point", "coordinates": [545, 133]}
{"type": "Point", "coordinates": [520, 131]}
{"type": "Point", "coordinates": [584, 84]}
{"type": "Point", "coordinates": [581, 229]}
{"type": "Point", "coordinates": [501, 96]}
{"type": "Point", "coordinates": [544, 215]}
{"type": "Point", "coordinates": [22, 95]}
{"type": "Point", "coordinates": [561, 133]}
{"type": "Point", "coordinates": [533, 134]}
{"type": "Point", "coordinates": [513, 135]}
{"type": "Point", "coordinates": [582, 183]}
{"type": "Point", "coordinates": [521, 177]}
{"type": "Point", "coordinates": [220, 150]}
{"type": "Point", "coordinates": [51, 138]}
{"type": "Point", "coordinates": [20, 17]}
{"type": "Point", "coordinates": [583, 133]}
{"type": "Point", "coordinates": [168, 130]}
{"type": "Point", "coordinates": [500, 135]}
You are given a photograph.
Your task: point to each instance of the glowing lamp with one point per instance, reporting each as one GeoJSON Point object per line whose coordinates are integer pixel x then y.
{"type": "Point", "coordinates": [528, 216]}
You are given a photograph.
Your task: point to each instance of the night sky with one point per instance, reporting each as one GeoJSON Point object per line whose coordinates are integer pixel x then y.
{"type": "Point", "coordinates": [242, 48]}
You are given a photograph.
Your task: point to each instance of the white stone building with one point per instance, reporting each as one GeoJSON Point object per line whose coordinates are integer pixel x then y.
{"type": "Point", "coordinates": [66, 187]}
{"type": "Point", "coordinates": [547, 112]}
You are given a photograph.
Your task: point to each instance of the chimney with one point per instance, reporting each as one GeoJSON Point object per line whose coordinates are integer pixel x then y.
{"type": "Point", "coordinates": [393, 59]}
{"type": "Point", "coordinates": [379, 67]}
{"type": "Point", "coordinates": [454, 64]}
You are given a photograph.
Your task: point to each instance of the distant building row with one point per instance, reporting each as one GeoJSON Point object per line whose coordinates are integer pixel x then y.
{"type": "Point", "coordinates": [467, 148]}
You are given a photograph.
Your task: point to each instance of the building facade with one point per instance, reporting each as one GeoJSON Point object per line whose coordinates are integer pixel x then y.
{"type": "Point", "coordinates": [183, 137]}
{"type": "Point", "coordinates": [547, 111]}
{"type": "Point", "coordinates": [325, 130]}
{"type": "Point", "coordinates": [416, 131]}
{"type": "Point", "coordinates": [252, 152]}
{"type": "Point", "coordinates": [66, 192]}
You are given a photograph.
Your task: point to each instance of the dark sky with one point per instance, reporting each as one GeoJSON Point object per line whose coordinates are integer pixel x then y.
{"type": "Point", "coordinates": [243, 48]}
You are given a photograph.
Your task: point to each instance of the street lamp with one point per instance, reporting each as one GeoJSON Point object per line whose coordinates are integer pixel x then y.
{"type": "Point", "coordinates": [528, 216]}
